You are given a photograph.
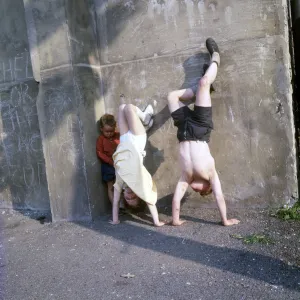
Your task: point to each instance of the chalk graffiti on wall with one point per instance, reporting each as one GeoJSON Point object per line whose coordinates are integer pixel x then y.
{"type": "Point", "coordinates": [22, 164]}
{"type": "Point", "coordinates": [17, 68]}
{"type": "Point", "coordinates": [17, 108]}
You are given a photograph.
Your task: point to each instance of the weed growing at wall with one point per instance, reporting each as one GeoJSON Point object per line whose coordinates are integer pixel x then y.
{"type": "Point", "coordinates": [289, 213]}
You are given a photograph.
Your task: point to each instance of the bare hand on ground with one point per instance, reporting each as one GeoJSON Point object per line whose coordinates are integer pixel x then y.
{"type": "Point", "coordinates": [159, 224]}
{"type": "Point", "coordinates": [178, 223]}
{"type": "Point", "coordinates": [114, 223]}
{"type": "Point", "coordinates": [231, 222]}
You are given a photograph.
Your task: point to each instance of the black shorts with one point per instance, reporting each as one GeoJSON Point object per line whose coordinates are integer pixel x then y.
{"type": "Point", "coordinates": [108, 172]}
{"type": "Point", "coordinates": [193, 125]}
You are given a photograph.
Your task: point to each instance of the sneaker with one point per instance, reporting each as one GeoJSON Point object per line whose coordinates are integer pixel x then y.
{"type": "Point", "coordinates": [213, 50]}
{"type": "Point", "coordinates": [148, 111]}
{"type": "Point", "coordinates": [211, 46]}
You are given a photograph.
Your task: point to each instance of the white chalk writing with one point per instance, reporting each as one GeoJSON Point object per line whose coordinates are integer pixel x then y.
{"type": "Point", "coordinates": [22, 160]}
{"type": "Point", "coordinates": [17, 68]}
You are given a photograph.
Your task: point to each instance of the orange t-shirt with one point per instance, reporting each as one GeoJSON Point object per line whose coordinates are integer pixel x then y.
{"type": "Point", "coordinates": [105, 147]}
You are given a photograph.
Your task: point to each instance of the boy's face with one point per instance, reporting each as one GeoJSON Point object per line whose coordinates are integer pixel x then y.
{"type": "Point", "coordinates": [203, 187]}
{"type": "Point", "coordinates": [108, 131]}
{"type": "Point", "coordinates": [206, 190]}
{"type": "Point", "coordinates": [130, 197]}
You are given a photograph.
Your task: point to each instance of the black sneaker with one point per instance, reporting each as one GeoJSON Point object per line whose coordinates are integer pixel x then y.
{"type": "Point", "coordinates": [211, 46]}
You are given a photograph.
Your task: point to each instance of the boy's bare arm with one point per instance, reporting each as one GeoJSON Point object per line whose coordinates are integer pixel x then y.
{"type": "Point", "coordinates": [115, 208]}
{"type": "Point", "coordinates": [180, 190]}
{"type": "Point", "coordinates": [154, 214]}
{"type": "Point", "coordinates": [217, 190]}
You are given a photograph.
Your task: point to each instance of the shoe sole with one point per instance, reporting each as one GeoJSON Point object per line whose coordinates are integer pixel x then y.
{"type": "Point", "coordinates": [211, 46]}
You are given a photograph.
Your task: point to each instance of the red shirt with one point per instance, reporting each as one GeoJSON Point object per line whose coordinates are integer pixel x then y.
{"type": "Point", "coordinates": [105, 147]}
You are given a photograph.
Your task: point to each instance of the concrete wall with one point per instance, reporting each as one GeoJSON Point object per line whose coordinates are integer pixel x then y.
{"type": "Point", "coordinates": [161, 47]}
{"type": "Point", "coordinates": [23, 182]}
{"type": "Point", "coordinates": [85, 54]}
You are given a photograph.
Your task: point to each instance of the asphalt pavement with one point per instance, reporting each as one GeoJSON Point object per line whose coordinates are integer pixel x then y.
{"type": "Point", "coordinates": [134, 260]}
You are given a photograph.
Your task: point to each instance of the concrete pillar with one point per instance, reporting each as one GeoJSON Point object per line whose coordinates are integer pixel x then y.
{"type": "Point", "coordinates": [82, 21]}
{"type": "Point", "coordinates": [59, 103]}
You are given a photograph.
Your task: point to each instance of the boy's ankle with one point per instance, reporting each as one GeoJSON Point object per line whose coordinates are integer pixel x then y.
{"type": "Point", "coordinates": [216, 58]}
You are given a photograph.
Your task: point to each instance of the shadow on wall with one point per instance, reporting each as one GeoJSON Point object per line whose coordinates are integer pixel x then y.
{"type": "Point", "coordinates": [54, 109]}
{"type": "Point", "coordinates": [193, 70]}
{"type": "Point", "coordinates": [84, 21]}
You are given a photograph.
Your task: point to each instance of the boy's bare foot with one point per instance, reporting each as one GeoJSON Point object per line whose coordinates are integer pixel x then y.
{"type": "Point", "coordinates": [159, 224]}
{"type": "Point", "coordinates": [231, 222]}
{"type": "Point", "coordinates": [178, 223]}
{"type": "Point", "coordinates": [114, 222]}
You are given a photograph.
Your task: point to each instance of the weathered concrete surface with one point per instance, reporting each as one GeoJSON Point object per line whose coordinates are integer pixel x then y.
{"type": "Point", "coordinates": [86, 54]}
{"type": "Point", "coordinates": [87, 77]}
{"type": "Point", "coordinates": [161, 48]}
{"type": "Point", "coordinates": [23, 182]}
{"type": "Point", "coordinates": [59, 113]}
{"type": "Point", "coordinates": [199, 260]}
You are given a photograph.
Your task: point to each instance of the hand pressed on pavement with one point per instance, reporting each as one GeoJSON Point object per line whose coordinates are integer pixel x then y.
{"type": "Point", "coordinates": [114, 222]}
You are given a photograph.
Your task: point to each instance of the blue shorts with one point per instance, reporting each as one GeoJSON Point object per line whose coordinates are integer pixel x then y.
{"type": "Point", "coordinates": [108, 172]}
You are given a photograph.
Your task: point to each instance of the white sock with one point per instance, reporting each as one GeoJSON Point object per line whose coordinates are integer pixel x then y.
{"type": "Point", "coordinates": [146, 115]}
{"type": "Point", "coordinates": [140, 114]}
{"type": "Point", "coordinates": [216, 58]}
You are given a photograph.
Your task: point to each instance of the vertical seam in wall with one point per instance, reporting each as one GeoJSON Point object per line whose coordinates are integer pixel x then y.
{"type": "Point", "coordinates": [32, 40]}
{"type": "Point", "coordinates": [99, 104]}
{"type": "Point", "coordinates": [94, 16]}
{"type": "Point", "coordinates": [295, 105]}
{"type": "Point", "coordinates": [77, 107]}
{"type": "Point", "coordinates": [36, 70]}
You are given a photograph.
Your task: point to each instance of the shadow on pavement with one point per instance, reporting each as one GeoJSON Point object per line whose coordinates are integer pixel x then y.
{"type": "Point", "coordinates": [253, 265]}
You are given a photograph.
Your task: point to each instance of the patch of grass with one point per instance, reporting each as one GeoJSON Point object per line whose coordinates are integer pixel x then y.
{"type": "Point", "coordinates": [254, 239]}
{"type": "Point", "coordinates": [289, 213]}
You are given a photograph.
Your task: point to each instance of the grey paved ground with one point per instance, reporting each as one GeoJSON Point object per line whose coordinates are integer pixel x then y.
{"type": "Point", "coordinates": [199, 260]}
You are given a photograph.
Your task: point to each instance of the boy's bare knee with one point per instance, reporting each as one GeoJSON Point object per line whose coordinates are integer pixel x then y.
{"type": "Point", "coordinates": [172, 97]}
{"type": "Point", "coordinates": [204, 82]}
{"type": "Point", "coordinates": [129, 108]}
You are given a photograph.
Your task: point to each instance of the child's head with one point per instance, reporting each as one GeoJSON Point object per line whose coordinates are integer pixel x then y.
{"type": "Point", "coordinates": [203, 187]}
{"type": "Point", "coordinates": [131, 198]}
{"type": "Point", "coordinates": [107, 125]}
